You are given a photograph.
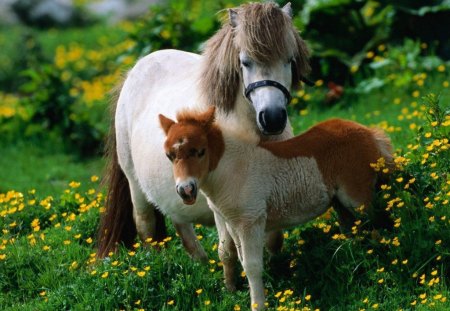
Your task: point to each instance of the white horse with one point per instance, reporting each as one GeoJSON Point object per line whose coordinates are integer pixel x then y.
{"type": "Point", "coordinates": [246, 70]}
{"type": "Point", "coordinates": [255, 187]}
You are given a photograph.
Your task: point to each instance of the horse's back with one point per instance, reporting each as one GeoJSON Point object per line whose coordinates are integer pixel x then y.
{"type": "Point", "coordinates": [157, 78]}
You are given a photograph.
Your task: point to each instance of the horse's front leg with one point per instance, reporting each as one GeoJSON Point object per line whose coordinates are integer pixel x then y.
{"type": "Point", "coordinates": [227, 253]}
{"type": "Point", "coordinates": [190, 241]}
{"type": "Point", "coordinates": [251, 237]}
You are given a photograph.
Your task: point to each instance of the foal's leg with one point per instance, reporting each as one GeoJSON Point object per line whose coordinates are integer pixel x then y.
{"type": "Point", "coordinates": [227, 253]}
{"type": "Point", "coordinates": [251, 237]}
{"type": "Point", "coordinates": [190, 241]}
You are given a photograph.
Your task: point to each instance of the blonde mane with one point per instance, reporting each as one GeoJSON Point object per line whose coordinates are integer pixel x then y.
{"type": "Point", "coordinates": [266, 34]}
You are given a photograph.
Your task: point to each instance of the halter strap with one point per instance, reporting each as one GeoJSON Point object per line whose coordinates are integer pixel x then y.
{"type": "Point", "coordinates": [257, 84]}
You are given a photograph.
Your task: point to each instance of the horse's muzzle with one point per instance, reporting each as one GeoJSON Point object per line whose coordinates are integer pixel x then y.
{"type": "Point", "coordinates": [187, 191]}
{"type": "Point", "coordinates": [272, 121]}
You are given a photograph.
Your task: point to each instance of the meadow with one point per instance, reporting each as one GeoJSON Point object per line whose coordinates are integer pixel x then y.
{"type": "Point", "coordinates": [51, 197]}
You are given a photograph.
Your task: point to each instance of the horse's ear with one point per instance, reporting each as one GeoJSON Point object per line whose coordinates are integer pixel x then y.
{"type": "Point", "coordinates": [287, 9]}
{"type": "Point", "coordinates": [208, 117]}
{"type": "Point", "coordinates": [166, 123]}
{"type": "Point", "coordinates": [232, 14]}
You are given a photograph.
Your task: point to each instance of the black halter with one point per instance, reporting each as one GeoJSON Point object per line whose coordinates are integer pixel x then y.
{"type": "Point", "coordinates": [287, 94]}
{"type": "Point", "coordinates": [262, 83]}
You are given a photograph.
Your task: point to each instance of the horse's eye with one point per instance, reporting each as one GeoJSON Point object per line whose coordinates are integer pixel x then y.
{"type": "Point", "coordinates": [201, 153]}
{"type": "Point", "coordinates": [170, 156]}
{"type": "Point", "coordinates": [246, 63]}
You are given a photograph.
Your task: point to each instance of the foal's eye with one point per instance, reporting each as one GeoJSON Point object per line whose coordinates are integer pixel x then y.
{"type": "Point", "coordinates": [201, 153]}
{"type": "Point", "coordinates": [170, 156]}
{"type": "Point", "coordinates": [192, 152]}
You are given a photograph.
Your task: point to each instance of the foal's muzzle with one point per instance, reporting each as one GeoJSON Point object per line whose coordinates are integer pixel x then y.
{"type": "Point", "coordinates": [187, 191]}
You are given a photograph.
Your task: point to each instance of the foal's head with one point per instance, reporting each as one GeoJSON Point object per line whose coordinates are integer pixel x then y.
{"type": "Point", "coordinates": [194, 145]}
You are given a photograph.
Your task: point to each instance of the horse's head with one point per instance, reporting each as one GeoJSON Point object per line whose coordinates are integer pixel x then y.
{"type": "Point", "coordinates": [261, 51]}
{"type": "Point", "coordinates": [194, 145]}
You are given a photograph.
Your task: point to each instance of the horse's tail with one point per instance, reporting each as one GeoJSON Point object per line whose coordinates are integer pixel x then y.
{"type": "Point", "coordinates": [117, 224]}
{"type": "Point", "coordinates": [381, 216]}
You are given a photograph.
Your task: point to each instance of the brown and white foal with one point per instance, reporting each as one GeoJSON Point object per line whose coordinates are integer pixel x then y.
{"type": "Point", "coordinates": [254, 187]}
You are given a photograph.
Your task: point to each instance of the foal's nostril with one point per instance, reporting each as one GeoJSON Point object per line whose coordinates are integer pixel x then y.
{"type": "Point", "coordinates": [187, 191]}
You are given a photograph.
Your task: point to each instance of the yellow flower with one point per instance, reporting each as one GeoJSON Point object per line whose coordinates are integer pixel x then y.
{"type": "Point", "coordinates": [141, 274]}
{"type": "Point", "coordinates": [94, 178]}
{"type": "Point", "coordinates": [170, 302]}
{"type": "Point", "coordinates": [354, 68]}
{"type": "Point", "coordinates": [74, 184]}
{"type": "Point", "coordinates": [441, 68]}
{"type": "Point", "coordinates": [89, 240]}
{"type": "Point", "coordinates": [199, 291]}
{"type": "Point", "coordinates": [105, 275]}
{"type": "Point", "coordinates": [2, 256]}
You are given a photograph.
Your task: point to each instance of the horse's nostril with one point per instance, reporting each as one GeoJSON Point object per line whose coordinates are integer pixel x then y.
{"type": "Point", "coordinates": [272, 121]}
{"type": "Point", "coordinates": [261, 119]}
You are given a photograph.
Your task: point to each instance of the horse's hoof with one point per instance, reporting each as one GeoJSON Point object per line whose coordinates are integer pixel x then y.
{"type": "Point", "coordinates": [231, 287]}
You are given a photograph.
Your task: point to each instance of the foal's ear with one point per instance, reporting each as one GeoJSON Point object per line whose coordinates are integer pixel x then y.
{"type": "Point", "coordinates": [208, 117]}
{"type": "Point", "coordinates": [166, 123]}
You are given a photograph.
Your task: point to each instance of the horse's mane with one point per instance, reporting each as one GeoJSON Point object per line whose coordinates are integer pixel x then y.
{"type": "Point", "coordinates": [266, 34]}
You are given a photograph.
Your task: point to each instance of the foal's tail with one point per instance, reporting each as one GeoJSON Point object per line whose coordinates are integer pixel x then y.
{"type": "Point", "coordinates": [385, 148]}
{"type": "Point", "coordinates": [117, 225]}
{"type": "Point", "coordinates": [381, 216]}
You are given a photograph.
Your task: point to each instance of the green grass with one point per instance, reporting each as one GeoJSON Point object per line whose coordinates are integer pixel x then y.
{"type": "Point", "coordinates": [47, 247]}
{"type": "Point", "coordinates": [29, 164]}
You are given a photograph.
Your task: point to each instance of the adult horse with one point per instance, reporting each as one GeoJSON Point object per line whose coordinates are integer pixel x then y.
{"type": "Point", "coordinates": [246, 71]}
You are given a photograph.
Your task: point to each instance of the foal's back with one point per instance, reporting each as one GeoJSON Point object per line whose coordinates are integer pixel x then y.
{"type": "Point", "coordinates": [343, 151]}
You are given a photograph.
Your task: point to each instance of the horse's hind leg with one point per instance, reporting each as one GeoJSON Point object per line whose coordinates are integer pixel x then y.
{"type": "Point", "coordinates": [190, 241]}
{"type": "Point", "coordinates": [144, 213]}
{"type": "Point", "coordinates": [274, 241]}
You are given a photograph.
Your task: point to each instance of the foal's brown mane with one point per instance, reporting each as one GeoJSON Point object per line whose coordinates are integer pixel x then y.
{"type": "Point", "coordinates": [266, 33]}
{"type": "Point", "coordinates": [216, 144]}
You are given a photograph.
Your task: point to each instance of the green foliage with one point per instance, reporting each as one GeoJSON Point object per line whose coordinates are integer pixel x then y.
{"type": "Point", "coordinates": [177, 24]}
{"type": "Point", "coordinates": [67, 96]}
{"type": "Point", "coordinates": [341, 32]}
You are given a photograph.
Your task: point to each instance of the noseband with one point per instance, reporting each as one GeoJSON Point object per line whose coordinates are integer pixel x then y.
{"type": "Point", "coordinates": [285, 91]}
{"type": "Point", "coordinates": [257, 84]}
